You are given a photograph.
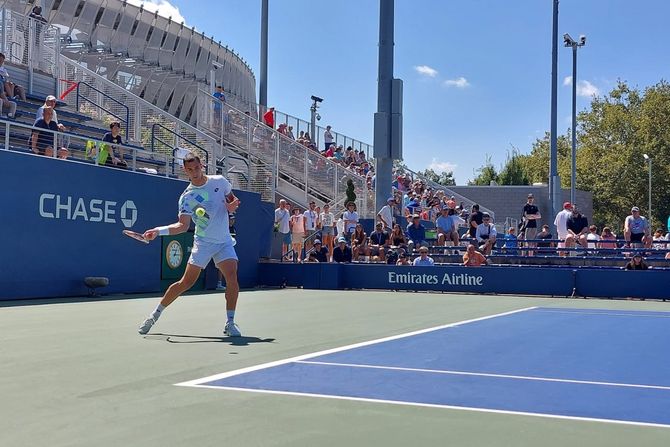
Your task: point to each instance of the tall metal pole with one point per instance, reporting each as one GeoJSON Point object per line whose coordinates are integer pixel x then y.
{"type": "Point", "coordinates": [554, 180]}
{"type": "Point", "coordinates": [383, 126]}
{"type": "Point", "coordinates": [263, 86]}
{"type": "Point", "coordinates": [573, 181]}
{"type": "Point", "coordinates": [651, 219]}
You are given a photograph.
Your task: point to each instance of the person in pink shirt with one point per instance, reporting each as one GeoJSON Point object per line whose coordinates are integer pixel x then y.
{"type": "Point", "coordinates": [297, 224]}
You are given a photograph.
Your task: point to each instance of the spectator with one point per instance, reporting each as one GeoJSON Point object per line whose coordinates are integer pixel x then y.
{"type": "Point", "coordinates": [39, 21]}
{"type": "Point", "coordinates": [49, 101]}
{"type": "Point", "coordinates": [636, 229]}
{"type": "Point", "coordinates": [593, 238]}
{"type": "Point", "coordinates": [327, 222]}
{"type": "Point", "coordinates": [298, 233]}
{"type": "Point", "coordinates": [379, 241]}
{"type": "Point", "coordinates": [5, 102]}
{"type": "Point", "coordinates": [416, 233]}
{"type": "Point", "coordinates": [423, 259]}
{"type": "Point", "coordinates": [545, 234]}
{"type": "Point", "coordinates": [607, 239]}
{"type": "Point", "coordinates": [269, 117]}
{"type": "Point", "coordinates": [311, 219]}
{"type": "Point", "coordinates": [445, 228]}
{"type": "Point", "coordinates": [511, 243]}
{"type": "Point", "coordinates": [328, 139]}
{"type": "Point", "coordinates": [342, 253]}
{"type": "Point", "coordinates": [397, 238]}
{"type": "Point", "coordinates": [451, 203]}
{"type": "Point", "coordinates": [218, 110]}
{"type": "Point", "coordinates": [486, 235]}
{"type": "Point", "coordinates": [42, 141]}
{"type": "Point", "coordinates": [561, 223]}
{"type": "Point", "coordinates": [637, 263]}
{"type": "Point", "coordinates": [289, 133]}
{"type": "Point", "coordinates": [350, 218]}
{"type": "Point", "coordinates": [658, 240]}
{"type": "Point", "coordinates": [475, 220]}
{"type": "Point", "coordinates": [402, 259]}
{"type": "Point", "coordinates": [385, 214]}
{"type": "Point", "coordinates": [456, 221]}
{"type": "Point", "coordinates": [320, 253]}
{"type": "Point", "coordinates": [473, 258]}
{"type": "Point", "coordinates": [359, 242]}
{"type": "Point", "coordinates": [12, 90]}
{"type": "Point", "coordinates": [107, 156]}
{"type": "Point", "coordinates": [283, 226]}
{"type": "Point", "coordinates": [578, 228]}
{"type": "Point", "coordinates": [531, 214]}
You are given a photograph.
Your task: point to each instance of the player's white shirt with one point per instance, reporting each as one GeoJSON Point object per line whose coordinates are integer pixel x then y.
{"type": "Point", "coordinates": [213, 226]}
{"type": "Point", "coordinates": [561, 223]}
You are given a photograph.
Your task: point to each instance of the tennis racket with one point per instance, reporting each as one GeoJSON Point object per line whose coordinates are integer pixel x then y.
{"type": "Point", "coordinates": [135, 235]}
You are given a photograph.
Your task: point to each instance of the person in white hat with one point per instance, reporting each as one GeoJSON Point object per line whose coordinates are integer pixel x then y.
{"type": "Point", "coordinates": [49, 101]}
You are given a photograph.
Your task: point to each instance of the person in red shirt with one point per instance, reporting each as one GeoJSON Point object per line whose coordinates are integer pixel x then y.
{"type": "Point", "coordinates": [269, 117]}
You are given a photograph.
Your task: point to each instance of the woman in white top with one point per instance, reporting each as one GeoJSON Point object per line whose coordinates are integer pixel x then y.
{"type": "Point", "coordinates": [297, 223]}
{"type": "Point", "coordinates": [327, 222]}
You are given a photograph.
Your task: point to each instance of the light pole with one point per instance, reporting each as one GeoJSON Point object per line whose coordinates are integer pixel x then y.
{"type": "Point", "coordinates": [648, 159]}
{"type": "Point", "coordinates": [570, 42]}
{"type": "Point", "coordinates": [315, 116]}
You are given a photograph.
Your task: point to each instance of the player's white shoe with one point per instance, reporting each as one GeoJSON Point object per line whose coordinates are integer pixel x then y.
{"type": "Point", "coordinates": [144, 327]}
{"type": "Point", "coordinates": [232, 330]}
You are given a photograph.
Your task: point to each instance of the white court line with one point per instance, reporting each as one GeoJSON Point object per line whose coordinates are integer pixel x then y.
{"type": "Point", "coordinates": [500, 376]}
{"type": "Point", "coordinates": [589, 312]}
{"type": "Point", "coordinates": [449, 407]}
{"type": "Point", "coordinates": [198, 382]}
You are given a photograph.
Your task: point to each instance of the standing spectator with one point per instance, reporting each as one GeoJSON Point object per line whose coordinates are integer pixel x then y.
{"type": "Point", "coordinates": [106, 156]}
{"type": "Point", "coordinates": [282, 225]}
{"type": "Point", "coordinates": [578, 228]}
{"type": "Point", "coordinates": [350, 218]}
{"type": "Point", "coordinates": [42, 141]}
{"type": "Point", "coordinates": [385, 214]}
{"type": "Point", "coordinates": [328, 139]}
{"type": "Point", "coordinates": [637, 263]}
{"type": "Point", "coordinates": [561, 223]}
{"type": "Point", "coordinates": [379, 241]}
{"type": "Point", "coordinates": [298, 233]}
{"type": "Point", "coordinates": [359, 242]}
{"type": "Point", "coordinates": [49, 101]}
{"type": "Point", "coordinates": [473, 258]}
{"type": "Point", "coordinates": [475, 220]}
{"type": "Point", "coordinates": [311, 219]}
{"type": "Point", "coordinates": [342, 253]}
{"type": "Point", "coordinates": [269, 117]}
{"type": "Point", "coordinates": [636, 229]}
{"type": "Point", "coordinates": [289, 133]}
{"type": "Point", "coordinates": [320, 253]}
{"type": "Point", "coordinates": [11, 89]}
{"type": "Point", "coordinates": [486, 235]}
{"type": "Point", "coordinates": [38, 22]}
{"type": "Point", "coordinates": [545, 234]}
{"type": "Point", "coordinates": [531, 214]}
{"type": "Point", "coordinates": [327, 221]}
{"type": "Point", "coordinates": [416, 233]}
{"type": "Point", "coordinates": [423, 259]}
{"type": "Point", "coordinates": [220, 98]}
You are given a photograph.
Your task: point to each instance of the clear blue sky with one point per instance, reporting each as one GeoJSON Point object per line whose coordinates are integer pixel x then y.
{"type": "Point", "coordinates": [497, 55]}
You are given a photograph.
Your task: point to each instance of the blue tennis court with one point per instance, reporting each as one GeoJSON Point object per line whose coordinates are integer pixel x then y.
{"type": "Point", "coordinates": [605, 365]}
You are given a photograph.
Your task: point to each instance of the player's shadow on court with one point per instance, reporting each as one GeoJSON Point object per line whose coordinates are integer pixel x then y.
{"type": "Point", "coordinates": [234, 341]}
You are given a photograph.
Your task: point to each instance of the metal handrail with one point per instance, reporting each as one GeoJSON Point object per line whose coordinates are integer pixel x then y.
{"type": "Point", "coordinates": [79, 95]}
{"type": "Point", "coordinates": [155, 138]}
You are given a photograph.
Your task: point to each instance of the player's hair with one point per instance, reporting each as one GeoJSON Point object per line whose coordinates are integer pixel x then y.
{"type": "Point", "coordinates": [191, 156]}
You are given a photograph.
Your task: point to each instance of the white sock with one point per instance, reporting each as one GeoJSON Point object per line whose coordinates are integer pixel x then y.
{"type": "Point", "coordinates": [231, 315]}
{"type": "Point", "coordinates": [157, 312]}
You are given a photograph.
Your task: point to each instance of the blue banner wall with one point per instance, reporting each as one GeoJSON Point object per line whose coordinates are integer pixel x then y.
{"type": "Point", "coordinates": [64, 222]}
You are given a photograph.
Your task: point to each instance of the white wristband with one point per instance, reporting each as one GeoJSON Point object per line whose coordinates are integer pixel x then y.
{"type": "Point", "coordinates": [163, 231]}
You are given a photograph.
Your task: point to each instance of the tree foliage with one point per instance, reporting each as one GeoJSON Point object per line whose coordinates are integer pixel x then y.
{"type": "Point", "coordinates": [444, 178]}
{"type": "Point", "coordinates": [486, 174]}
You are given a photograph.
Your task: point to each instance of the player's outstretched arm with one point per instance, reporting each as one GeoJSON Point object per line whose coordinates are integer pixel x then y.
{"type": "Point", "coordinates": [176, 228]}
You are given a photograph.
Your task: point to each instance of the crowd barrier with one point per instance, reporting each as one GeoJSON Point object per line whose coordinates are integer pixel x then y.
{"type": "Point", "coordinates": [558, 282]}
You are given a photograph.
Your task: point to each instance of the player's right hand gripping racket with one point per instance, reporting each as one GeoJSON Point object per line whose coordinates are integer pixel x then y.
{"type": "Point", "coordinates": [135, 235]}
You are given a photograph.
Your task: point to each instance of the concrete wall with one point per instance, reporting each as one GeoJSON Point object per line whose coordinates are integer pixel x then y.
{"type": "Point", "coordinates": [508, 201]}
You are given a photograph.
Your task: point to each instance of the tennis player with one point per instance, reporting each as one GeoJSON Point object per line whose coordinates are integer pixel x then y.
{"type": "Point", "coordinates": [213, 194]}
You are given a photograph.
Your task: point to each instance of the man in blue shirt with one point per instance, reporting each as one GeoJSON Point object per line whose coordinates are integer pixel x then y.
{"type": "Point", "coordinates": [445, 228]}
{"type": "Point", "coordinates": [220, 97]}
{"type": "Point", "coordinates": [416, 233]}
{"type": "Point", "coordinates": [424, 259]}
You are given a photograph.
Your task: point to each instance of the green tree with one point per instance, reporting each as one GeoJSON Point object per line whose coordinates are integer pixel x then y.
{"type": "Point", "coordinates": [485, 174]}
{"type": "Point", "coordinates": [444, 178]}
{"type": "Point", "coordinates": [513, 171]}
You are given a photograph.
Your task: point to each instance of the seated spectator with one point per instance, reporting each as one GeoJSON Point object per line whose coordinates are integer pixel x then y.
{"type": "Point", "coordinates": [6, 103]}
{"type": "Point", "coordinates": [593, 238]}
{"type": "Point", "coordinates": [578, 227]}
{"type": "Point", "coordinates": [637, 263]}
{"type": "Point", "coordinates": [359, 242]}
{"type": "Point", "coordinates": [12, 90]}
{"type": "Point", "coordinates": [107, 156]}
{"type": "Point", "coordinates": [416, 233]}
{"type": "Point", "coordinates": [607, 239]}
{"type": "Point", "coordinates": [397, 238]}
{"type": "Point", "coordinates": [342, 253]}
{"type": "Point", "coordinates": [658, 240]}
{"type": "Point", "coordinates": [473, 258]}
{"type": "Point", "coordinates": [289, 133]}
{"type": "Point", "coordinates": [451, 203]}
{"type": "Point", "coordinates": [49, 101]}
{"type": "Point", "coordinates": [445, 228]}
{"type": "Point", "coordinates": [486, 235]}
{"type": "Point", "coordinates": [636, 229]}
{"type": "Point", "coordinates": [402, 259]}
{"type": "Point", "coordinates": [319, 253]}
{"type": "Point", "coordinates": [423, 259]}
{"type": "Point", "coordinates": [545, 234]}
{"type": "Point", "coordinates": [379, 241]}
{"type": "Point", "coordinates": [42, 141]}
{"type": "Point", "coordinates": [511, 242]}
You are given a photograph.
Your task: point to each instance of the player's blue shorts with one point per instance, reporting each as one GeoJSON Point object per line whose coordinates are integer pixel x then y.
{"type": "Point", "coordinates": [204, 251]}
